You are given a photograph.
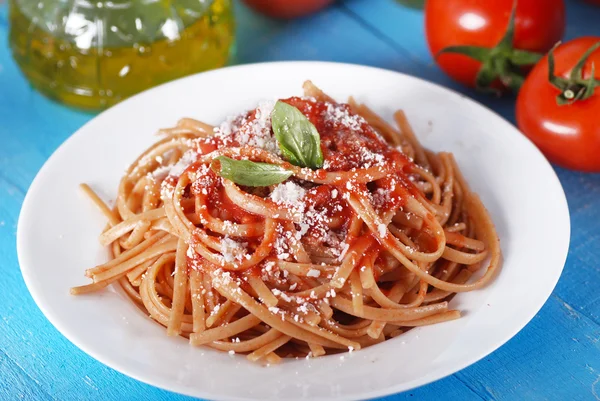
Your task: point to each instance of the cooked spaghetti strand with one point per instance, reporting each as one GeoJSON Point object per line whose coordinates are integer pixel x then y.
{"type": "Point", "coordinates": [372, 243]}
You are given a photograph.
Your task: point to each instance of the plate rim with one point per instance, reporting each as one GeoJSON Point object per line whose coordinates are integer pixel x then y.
{"type": "Point", "coordinates": [379, 392]}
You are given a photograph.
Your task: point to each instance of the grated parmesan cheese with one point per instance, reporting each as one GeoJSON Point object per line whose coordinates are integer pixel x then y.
{"type": "Point", "coordinates": [380, 197]}
{"type": "Point", "coordinates": [370, 159]}
{"type": "Point", "coordinates": [161, 172]}
{"type": "Point", "coordinates": [254, 132]}
{"type": "Point", "coordinates": [225, 128]}
{"type": "Point", "coordinates": [188, 158]}
{"type": "Point", "coordinates": [232, 250]}
{"type": "Point", "coordinates": [282, 248]}
{"type": "Point", "coordinates": [313, 273]}
{"type": "Point", "coordinates": [382, 229]}
{"type": "Point", "coordinates": [340, 113]}
{"type": "Point", "coordinates": [289, 194]}
{"type": "Point", "coordinates": [303, 230]}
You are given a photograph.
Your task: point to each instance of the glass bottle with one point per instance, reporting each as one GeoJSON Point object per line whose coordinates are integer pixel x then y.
{"type": "Point", "coordinates": [92, 54]}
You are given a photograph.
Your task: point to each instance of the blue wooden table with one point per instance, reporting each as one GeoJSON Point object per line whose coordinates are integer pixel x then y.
{"type": "Point", "coordinates": [556, 356]}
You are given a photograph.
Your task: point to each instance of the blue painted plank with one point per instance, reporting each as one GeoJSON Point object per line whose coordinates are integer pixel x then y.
{"type": "Point", "coordinates": [452, 388]}
{"type": "Point", "coordinates": [582, 271]}
{"type": "Point", "coordinates": [16, 384]}
{"type": "Point", "coordinates": [330, 35]}
{"type": "Point", "coordinates": [555, 357]}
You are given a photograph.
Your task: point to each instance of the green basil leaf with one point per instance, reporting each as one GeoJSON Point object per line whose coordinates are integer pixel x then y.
{"type": "Point", "coordinates": [298, 138]}
{"type": "Point", "coordinates": [249, 173]}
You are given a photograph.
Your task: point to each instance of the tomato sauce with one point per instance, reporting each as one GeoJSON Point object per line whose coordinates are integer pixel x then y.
{"type": "Point", "coordinates": [345, 136]}
{"type": "Point", "coordinates": [348, 143]}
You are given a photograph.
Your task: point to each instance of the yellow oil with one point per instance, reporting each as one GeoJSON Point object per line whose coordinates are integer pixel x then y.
{"type": "Point", "coordinates": [96, 78]}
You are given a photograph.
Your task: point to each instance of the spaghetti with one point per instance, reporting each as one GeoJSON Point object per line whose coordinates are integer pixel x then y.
{"type": "Point", "coordinates": [331, 259]}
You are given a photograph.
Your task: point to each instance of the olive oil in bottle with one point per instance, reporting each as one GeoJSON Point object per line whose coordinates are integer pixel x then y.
{"type": "Point", "coordinates": [94, 54]}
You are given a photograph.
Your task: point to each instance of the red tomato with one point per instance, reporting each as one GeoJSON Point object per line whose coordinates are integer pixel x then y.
{"type": "Point", "coordinates": [288, 8]}
{"type": "Point", "coordinates": [569, 135]}
{"type": "Point", "coordinates": [484, 23]}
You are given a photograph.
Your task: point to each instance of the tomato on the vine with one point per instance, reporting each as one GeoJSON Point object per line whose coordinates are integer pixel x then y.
{"type": "Point", "coordinates": [489, 44]}
{"type": "Point", "coordinates": [559, 105]}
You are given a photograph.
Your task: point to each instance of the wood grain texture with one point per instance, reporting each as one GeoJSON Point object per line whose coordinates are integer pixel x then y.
{"type": "Point", "coordinates": [555, 357]}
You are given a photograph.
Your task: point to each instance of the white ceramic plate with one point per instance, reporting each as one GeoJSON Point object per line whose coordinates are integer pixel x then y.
{"type": "Point", "coordinates": [58, 237]}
